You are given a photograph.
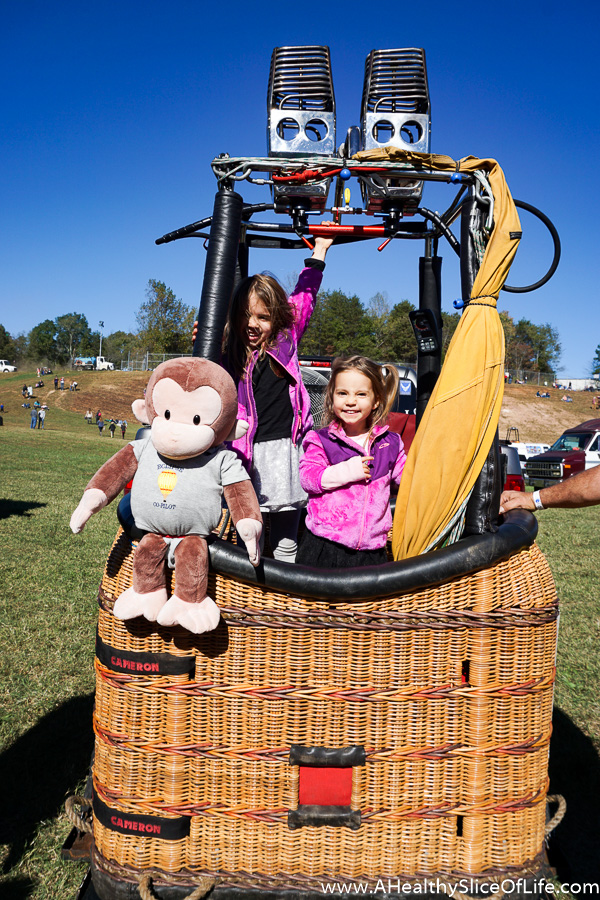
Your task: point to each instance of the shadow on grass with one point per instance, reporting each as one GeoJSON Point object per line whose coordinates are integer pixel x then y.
{"type": "Point", "coordinates": [575, 773]}
{"type": "Point", "coordinates": [40, 770]}
{"type": "Point", "coordinates": [10, 508]}
{"type": "Point", "coordinates": [16, 888]}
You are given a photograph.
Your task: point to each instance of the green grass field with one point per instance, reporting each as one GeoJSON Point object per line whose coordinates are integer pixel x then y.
{"type": "Point", "coordinates": [47, 624]}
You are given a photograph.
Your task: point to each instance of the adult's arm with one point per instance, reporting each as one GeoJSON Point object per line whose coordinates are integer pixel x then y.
{"type": "Point", "coordinates": [579, 490]}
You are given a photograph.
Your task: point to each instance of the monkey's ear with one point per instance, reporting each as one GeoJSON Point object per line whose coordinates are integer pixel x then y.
{"type": "Point", "coordinates": [239, 430]}
{"type": "Point", "coordinates": [139, 411]}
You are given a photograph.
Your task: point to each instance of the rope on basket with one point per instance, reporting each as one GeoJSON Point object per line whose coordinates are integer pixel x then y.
{"type": "Point", "coordinates": [82, 820]}
{"type": "Point", "coordinates": [558, 815]}
{"type": "Point", "coordinates": [205, 885]}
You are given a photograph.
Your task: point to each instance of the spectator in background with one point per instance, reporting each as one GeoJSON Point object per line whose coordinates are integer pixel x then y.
{"type": "Point", "coordinates": [88, 417]}
{"type": "Point", "coordinates": [111, 426]}
{"type": "Point", "coordinates": [41, 418]}
{"type": "Point", "coordinates": [34, 417]}
{"type": "Point", "coordinates": [62, 383]}
{"type": "Point", "coordinates": [123, 428]}
{"type": "Point", "coordinates": [100, 424]}
{"type": "Point", "coordinates": [56, 382]}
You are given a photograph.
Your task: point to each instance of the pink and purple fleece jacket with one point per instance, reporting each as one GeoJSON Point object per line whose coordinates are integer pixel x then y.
{"type": "Point", "coordinates": [343, 506]}
{"type": "Point", "coordinates": [285, 351]}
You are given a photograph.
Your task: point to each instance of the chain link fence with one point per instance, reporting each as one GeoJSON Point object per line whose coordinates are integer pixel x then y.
{"type": "Point", "coordinates": [530, 376]}
{"type": "Point", "coordinates": [148, 361]}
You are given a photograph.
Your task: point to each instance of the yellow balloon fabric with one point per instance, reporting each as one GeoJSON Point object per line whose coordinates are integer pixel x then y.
{"type": "Point", "coordinates": [458, 427]}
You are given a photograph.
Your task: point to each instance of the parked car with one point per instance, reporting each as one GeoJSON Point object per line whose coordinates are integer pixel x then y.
{"type": "Point", "coordinates": [513, 473]}
{"type": "Point", "coordinates": [6, 367]}
{"type": "Point", "coordinates": [576, 449]}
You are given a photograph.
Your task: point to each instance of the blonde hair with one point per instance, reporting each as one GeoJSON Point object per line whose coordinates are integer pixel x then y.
{"type": "Point", "coordinates": [384, 382]}
{"type": "Point", "coordinates": [265, 287]}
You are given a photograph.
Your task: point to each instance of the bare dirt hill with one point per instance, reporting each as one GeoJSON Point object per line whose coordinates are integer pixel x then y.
{"type": "Point", "coordinates": [543, 420]}
{"type": "Point", "coordinates": [113, 393]}
{"type": "Point", "coordinates": [110, 392]}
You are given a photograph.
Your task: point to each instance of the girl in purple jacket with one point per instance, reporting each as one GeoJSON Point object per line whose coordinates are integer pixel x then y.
{"type": "Point", "coordinates": [260, 349]}
{"type": "Point", "coordinates": [348, 467]}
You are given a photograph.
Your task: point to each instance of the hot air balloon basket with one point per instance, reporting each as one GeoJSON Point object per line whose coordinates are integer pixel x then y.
{"type": "Point", "coordinates": [308, 742]}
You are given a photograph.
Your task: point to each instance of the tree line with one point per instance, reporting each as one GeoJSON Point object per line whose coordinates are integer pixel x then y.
{"type": "Point", "coordinates": [341, 324]}
{"type": "Point", "coordinates": [164, 326]}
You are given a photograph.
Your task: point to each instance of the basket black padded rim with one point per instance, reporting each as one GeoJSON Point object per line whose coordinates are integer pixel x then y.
{"type": "Point", "coordinates": [517, 531]}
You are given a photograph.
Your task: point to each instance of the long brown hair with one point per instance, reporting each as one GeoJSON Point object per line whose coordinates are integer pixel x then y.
{"type": "Point", "coordinates": [384, 382]}
{"type": "Point", "coordinates": [266, 288]}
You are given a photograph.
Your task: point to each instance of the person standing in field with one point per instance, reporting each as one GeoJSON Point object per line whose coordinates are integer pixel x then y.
{"type": "Point", "coordinates": [123, 428]}
{"type": "Point", "coordinates": [41, 418]}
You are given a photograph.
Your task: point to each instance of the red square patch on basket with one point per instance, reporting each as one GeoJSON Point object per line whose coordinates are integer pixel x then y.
{"type": "Point", "coordinates": [324, 786]}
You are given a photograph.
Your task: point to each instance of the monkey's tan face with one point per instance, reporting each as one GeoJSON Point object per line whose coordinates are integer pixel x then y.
{"type": "Point", "coordinates": [182, 425]}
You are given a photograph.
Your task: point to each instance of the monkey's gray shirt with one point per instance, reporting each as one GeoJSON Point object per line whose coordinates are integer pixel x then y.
{"type": "Point", "coordinates": [179, 497]}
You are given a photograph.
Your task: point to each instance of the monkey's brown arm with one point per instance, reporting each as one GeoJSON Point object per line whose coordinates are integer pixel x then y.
{"type": "Point", "coordinates": [108, 481]}
{"type": "Point", "coordinates": [112, 477]}
{"type": "Point", "coordinates": [242, 502]}
{"type": "Point", "coordinates": [246, 516]}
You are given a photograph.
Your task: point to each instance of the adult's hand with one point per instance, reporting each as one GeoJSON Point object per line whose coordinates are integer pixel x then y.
{"type": "Point", "coordinates": [516, 500]}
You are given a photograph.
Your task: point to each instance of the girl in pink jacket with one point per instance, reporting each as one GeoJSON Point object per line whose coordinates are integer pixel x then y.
{"type": "Point", "coordinates": [348, 468]}
{"type": "Point", "coordinates": [260, 350]}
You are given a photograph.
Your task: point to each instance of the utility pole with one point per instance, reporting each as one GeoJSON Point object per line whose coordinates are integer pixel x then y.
{"type": "Point", "coordinates": [101, 324]}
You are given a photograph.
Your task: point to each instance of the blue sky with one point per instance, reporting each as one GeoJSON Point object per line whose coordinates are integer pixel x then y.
{"type": "Point", "coordinates": [112, 112]}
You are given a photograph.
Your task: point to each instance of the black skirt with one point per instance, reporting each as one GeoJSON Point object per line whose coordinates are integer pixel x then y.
{"type": "Point", "coordinates": [319, 553]}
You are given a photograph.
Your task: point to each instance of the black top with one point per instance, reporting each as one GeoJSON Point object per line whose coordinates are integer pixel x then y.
{"type": "Point", "coordinates": [270, 385]}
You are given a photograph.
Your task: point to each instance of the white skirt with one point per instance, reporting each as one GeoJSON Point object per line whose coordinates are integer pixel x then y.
{"type": "Point", "coordinates": [275, 475]}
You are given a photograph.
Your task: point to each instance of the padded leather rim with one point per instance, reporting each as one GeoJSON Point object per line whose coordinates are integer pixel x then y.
{"type": "Point", "coordinates": [516, 532]}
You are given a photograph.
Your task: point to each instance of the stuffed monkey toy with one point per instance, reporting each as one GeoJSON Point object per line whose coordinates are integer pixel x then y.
{"type": "Point", "coordinates": [179, 475]}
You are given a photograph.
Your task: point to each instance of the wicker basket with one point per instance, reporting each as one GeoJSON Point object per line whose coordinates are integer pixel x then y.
{"type": "Point", "coordinates": [431, 708]}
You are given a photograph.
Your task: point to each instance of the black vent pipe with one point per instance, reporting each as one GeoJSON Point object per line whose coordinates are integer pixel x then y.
{"type": "Point", "coordinates": [219, 274]}
{"type": "Point", "coordinates": [430, 297]}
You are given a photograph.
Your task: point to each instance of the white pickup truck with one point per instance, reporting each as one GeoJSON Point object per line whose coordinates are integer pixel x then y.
{"type": "Point", "coordinates": [525, 449]}
{"type": "Point", "coordinates": [6, 367]}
